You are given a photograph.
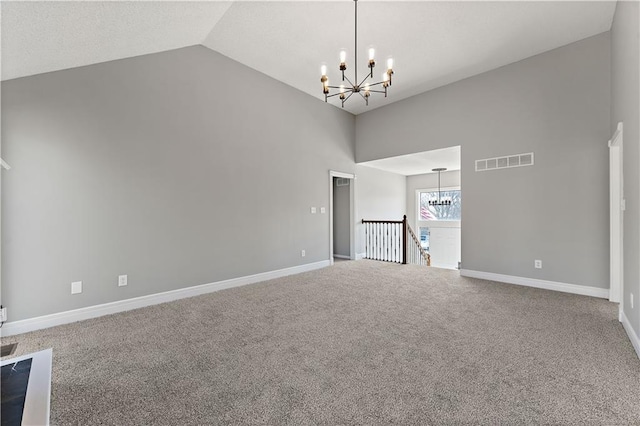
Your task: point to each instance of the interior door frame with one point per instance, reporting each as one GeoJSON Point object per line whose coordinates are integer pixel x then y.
{"type": "Point", "coordinates": [616, 217]}
{"type": "Point", "coordinates": [352, 221]}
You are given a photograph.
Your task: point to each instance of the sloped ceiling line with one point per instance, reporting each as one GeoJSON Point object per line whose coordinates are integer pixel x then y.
{"type": "Point", "coordinates": [433, 43]}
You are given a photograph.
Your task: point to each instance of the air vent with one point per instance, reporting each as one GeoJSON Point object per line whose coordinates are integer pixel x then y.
{"type": "Point", "coordinates": [342, 182]}
{"type": "Point", "coordinates": [517, 160]}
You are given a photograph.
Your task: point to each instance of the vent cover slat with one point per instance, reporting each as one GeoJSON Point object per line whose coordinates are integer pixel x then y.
{"type": "Point", "coordinates": [517, 160]}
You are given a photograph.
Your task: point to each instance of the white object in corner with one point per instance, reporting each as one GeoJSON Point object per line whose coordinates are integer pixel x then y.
{"type": "Point", "coordinates": [635, 341]}
{"type": "Point", "coordinates": [532, 282]}
{"type": "Point", "coordinates": [46, 321]}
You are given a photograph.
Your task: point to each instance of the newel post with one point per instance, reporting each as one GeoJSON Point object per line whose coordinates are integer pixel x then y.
{"type": "Point", "coordinates": [404, 239]}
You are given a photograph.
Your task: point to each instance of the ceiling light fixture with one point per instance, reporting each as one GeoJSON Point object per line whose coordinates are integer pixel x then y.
{"type": "Point", "coordinates": [363, 88]}
{"type": "Point", "coordinates": [441, 201]}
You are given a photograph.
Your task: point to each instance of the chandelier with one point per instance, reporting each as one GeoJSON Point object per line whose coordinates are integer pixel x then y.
{"type": "Point", "coordinates": [441, 201]}
{"type": "Point", "coordinates": [363, 88]}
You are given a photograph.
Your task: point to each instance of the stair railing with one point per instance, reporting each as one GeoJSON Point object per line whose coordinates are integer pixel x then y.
{"type": "Point", "coordinates": [416, 253]}
{"type": "Point", "coordinates": [393, 241]}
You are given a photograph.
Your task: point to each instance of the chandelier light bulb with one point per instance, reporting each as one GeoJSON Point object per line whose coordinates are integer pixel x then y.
{"type": "Point", "coordinates": [342, 88]}
{"type": "Point", "coordinates": [372, 53]}
{"type": "Point", "coordinates": [343, 56]}
{"type": "Point", "coordinates": [390, 63]}
{"type": "Point", "coordinates": [323, 70]}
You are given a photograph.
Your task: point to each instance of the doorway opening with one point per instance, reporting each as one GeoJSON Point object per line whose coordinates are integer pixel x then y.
{"type": "Point", "coordinates": [341, 216]}
{"type": "Point", "coordinates": [439, 235]}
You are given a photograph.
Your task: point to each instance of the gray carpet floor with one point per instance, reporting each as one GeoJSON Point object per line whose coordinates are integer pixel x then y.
{"type": "Point", "coordinates": [356, 343]}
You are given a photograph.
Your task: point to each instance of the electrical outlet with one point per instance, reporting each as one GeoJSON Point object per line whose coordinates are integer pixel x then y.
{"type": "Point", "coordinates": [122, 280]}
{"type": "Point", "coordinates": [537, 264]}
{"type": "Point", "coordinates": [303, 253]}
{"type": "Point", "coordinates": [76, 287]}
{"type": "Point", "coordinates": [3, 314]}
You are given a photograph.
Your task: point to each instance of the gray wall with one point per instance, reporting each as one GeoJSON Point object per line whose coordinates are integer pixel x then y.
{"type": "Point", "coordinates": [341, 219]}
{"type": "Point", "coordinates": [179, 168]}
{"type": "Point", "coordinates": [555, 104]}
{"type": "Point", "coordinates": [428, 180]}
{"type": "Point", "coordinates": [625, 107]}
{"type": "Point", "coordinates": [379, 195]}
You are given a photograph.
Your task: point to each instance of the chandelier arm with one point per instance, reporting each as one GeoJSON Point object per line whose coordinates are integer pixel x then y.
{"type": "Point", "coordinates": [363, 80]}
{"type": "Point", "coordinates": [377, 91]}
{"type": "Point", "coordinates": [331, 96]}
{"type": "Point", "coordinates": [348, 81]}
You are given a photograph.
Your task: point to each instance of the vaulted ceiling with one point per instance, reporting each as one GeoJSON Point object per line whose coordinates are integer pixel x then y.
{"type": "Point", "coordinates": [433, 43]}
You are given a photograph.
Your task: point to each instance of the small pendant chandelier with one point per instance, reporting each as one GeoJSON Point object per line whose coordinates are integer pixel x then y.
{"type": "Point", "coordinates": [363, 88]}
{"type": "Point", "coordinates": [441, 201]}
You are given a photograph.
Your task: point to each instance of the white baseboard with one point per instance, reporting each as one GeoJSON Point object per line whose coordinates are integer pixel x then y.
{"type": "Point", "coordinates": [46, 321]}
{"type": "Point", "coordinates": [360, 256]}
{"type": "Point", "coordinates": [532, 282]}
{"type": "Point", "coordinates": [339, 256]}
{"type": "Point", "coordinates": [635, 341]}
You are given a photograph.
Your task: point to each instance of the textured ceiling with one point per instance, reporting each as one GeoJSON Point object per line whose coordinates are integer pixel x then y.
{"type": "Point", "coordinates": [433, 43]}
{"type": "Point", "coordinates": [47, 36]}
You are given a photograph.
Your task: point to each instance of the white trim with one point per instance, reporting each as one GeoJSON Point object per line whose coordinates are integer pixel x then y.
{"type": "Point", "coordinates": [616, 217]}
{"type": "Point", "coordinates": [46, 321]}
{"type": "Point", "coordinates": [533, 282]}
{"type": "Point", "coordinates": [333, 173]}
{"type": "Point", "coordinates": [614, 139]}
{"type": "Point", "coordinates": [635, 341]}
{"type": "Point", "coordinates": [340, 256]}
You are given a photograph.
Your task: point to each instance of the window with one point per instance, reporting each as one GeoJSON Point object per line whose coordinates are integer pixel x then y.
{"type": "Point", "coordinates": [424, 238]}
{"type": "Point", "coordinates": [448, 212]}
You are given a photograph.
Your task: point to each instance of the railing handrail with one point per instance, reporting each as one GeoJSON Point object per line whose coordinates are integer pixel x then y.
{"type": "Point", "coordinates": [382, 221]}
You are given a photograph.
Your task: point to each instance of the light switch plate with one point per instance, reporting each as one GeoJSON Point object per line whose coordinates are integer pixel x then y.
{"type": "Point", "coordinates": [313, 210]}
